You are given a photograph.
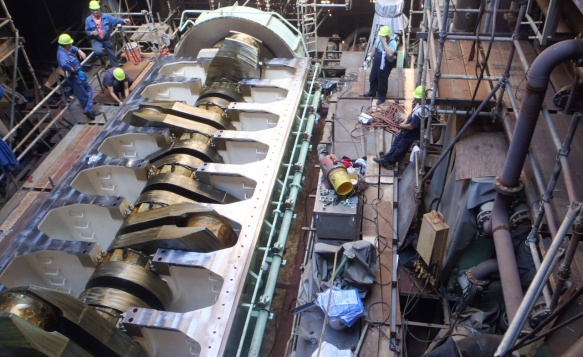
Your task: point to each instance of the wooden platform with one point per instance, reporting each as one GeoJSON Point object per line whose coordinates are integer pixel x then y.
{"type": "Point", "coordinates": [456, 60]}
{"type": "Point", "coordinates": [133, 70]}
{"type": "Point", "coordinates": [59, 161]}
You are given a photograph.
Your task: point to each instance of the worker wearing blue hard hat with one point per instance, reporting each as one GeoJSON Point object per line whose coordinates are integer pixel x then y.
{"type": "Point", "coordinates": [98, 27]}
{"type": "Point", "coordinates": [74, 74]}
{"type": "Point", "coordinates": [383, 55]}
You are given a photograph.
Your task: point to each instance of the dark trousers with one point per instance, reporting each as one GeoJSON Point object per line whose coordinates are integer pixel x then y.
{"type": "Point", "coordinates": [379, 78]}
{"type": "Point", "coordinates": [401, 145]}
{"type": "Point", "coordinates": [107, 45]}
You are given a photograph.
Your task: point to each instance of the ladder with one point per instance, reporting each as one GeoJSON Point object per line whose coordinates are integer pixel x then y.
{"type": "Point", "coordinates": [307, 20]}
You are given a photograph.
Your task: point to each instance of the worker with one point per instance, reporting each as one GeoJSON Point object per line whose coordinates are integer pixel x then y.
{"type": "Point", "coordinates": [74, 74]}
{"type": "Point", "coordinates": [383, 54]}
{"type": "Point", "coordinates": [98, 27]}
{"type": "Point", "coordinates": [117, 83]}
{"type": "Point", "coordinates": [408, 134]}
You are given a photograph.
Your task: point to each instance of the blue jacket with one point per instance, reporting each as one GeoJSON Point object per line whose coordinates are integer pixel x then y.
{"type": "Point", "coordinates": [68, 60]}
{"type": "Point", "coordinates": [108, 24]}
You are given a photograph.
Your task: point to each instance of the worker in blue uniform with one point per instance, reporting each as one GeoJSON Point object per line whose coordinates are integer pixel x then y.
{"type": "Point", "coordinates": [117, 83]}
{"type": "Point", "coordinates": [383, 54]}
{"type": "Point", "coordinates": [74, 74]}
{"type": "Point", "coordinates": [408, 134]}
{"type": "Point", "coordinates": [98, 27]}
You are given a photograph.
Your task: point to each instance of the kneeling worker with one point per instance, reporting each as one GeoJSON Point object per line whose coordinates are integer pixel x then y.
{"type": "Point", "coordinates": [117, 83]}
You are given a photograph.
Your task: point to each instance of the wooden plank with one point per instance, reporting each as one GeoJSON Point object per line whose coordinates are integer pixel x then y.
{"type": "Point", "coordinates": [372, 171]}
{"type": "Point", "coordinates": [470, 67]}
{"type": "Point", "coordinates": [49, 162]}
{"type": "Point", "coordinates": [480, 155]}
{"type": "Point", "coordinates": [369, 215]}
{"type": "Point", "coordinates": [62, 163]}
{"type": "Point", "coordinates": [370, 344]}
{"type": "Point", "coordinates": [142, 74]}
{"type": "Point", "coordinates": [25, 203]}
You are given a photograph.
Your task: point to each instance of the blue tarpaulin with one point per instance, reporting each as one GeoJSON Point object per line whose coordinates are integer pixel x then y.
{"type": "Point", "coordinates": [8, 161]}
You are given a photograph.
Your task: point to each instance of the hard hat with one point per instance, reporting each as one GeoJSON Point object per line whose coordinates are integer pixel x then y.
{"type": "Point", "coordinates": [65, 39]}
{"type": "Point", "coordinates": [418, 93]}
{"type": "Point", "coordinates": [385, 31]}
{"type": "Point", "coordinates": [94, 5]}
{"type": "Point", "coordinates": [119, 74]}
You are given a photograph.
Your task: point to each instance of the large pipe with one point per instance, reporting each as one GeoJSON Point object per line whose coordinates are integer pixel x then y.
{"type": "Point", "coordinates": [538, 282]}
{"type": "Point", "coordinates": [486, 268]}
{"type": "Point", "coordinates": [508, 181]}
{"type": "Point", "coordinates": [277, 259]}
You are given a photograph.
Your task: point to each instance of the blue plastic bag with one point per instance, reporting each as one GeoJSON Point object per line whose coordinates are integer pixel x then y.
{"type": "Point", "coordinates": [345, 305]}
{"type": "Point", "coordinates": [82, 76]}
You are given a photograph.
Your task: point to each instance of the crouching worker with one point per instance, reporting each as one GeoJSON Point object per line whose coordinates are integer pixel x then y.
{"type": "Point", "coordinates": [117, 83]}
{"type": "Point", "coordinates": [408, 134]}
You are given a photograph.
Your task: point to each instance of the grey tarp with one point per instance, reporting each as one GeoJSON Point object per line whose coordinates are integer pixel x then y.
{"type": "Point", "coordinates": [357, 273]}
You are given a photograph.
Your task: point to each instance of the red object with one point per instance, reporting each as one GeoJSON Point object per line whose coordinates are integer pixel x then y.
{"type": "Point", "coordinates": [346, 162]}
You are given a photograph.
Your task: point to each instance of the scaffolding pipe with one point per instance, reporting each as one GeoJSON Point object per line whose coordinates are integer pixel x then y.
{"type": "Point", "coordinates": [456, 36]}
{"type": "Point", "coordinates": [463, 129]}
{"type": "Point", "coordinates": [501, 11]}
{"type": "Point", "coordinates": [568, 176]}
{"type": "Point", "coordinates": [423, 83]}
{"type": "Point", "coordinates": [426, 134]}
{"type": "Point", "coordinates": [14, 71]}
{"type": "Point", "coordinates": [511, 55]}
{"type": "Point", "coordinates": [565, 268]}
{"type": "Point", "coordinates": [508, 183]}
{"type": "Point", "coordinates": [521, 55]}
{"type": "Point", "coordinates": [422, 50]}
{"type": "Point", "coordinates": [394, 341]}
{"type": "Point", "coordinates": [468, 77]}
{"type": "Point", "coordinates": [517, 323]}
{"type": "Point", "coordinates": [42, 133]}
{"type": "Point", "coordinates": [295, 188]}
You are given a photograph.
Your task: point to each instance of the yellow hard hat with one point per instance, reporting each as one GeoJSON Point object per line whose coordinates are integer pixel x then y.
{"type": "Point", "coordinates": [418, 93]}
{"type": "Point", "coordinates": [385, 31]}
{"type": "Point", "coordinates": [65, 39]}
{"type": "Point", "coordinates": [94, 5]}
{"type": "Point", "coordinates": [119, 74]}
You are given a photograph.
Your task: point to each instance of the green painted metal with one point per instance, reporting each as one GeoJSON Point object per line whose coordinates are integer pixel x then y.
{"type": "Point", "coordinates": [294, 188]}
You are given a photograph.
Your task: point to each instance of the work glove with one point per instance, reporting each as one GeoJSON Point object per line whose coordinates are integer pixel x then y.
{"type": "Point", "coordinates": [366, 63]}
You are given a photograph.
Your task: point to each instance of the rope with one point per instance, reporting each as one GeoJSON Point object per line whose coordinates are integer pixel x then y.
{"type": "Point", "coordinates": [386, 117]}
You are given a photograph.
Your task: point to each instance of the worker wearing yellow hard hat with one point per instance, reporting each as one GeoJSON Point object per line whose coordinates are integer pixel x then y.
{"type": "Point", "coordinates": [118, 84]}
{"type": "Point", "coordinates": [408, 134]}
{"type": "Point", "coordinates": [74, 74]}
{"type": "Point", "coordinates": [99, 27]}
{"type": "Point", "coordinates": [383, 55]}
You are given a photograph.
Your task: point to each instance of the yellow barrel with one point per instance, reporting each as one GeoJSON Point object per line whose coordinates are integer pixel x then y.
{"type": "Point", "coordinates": [340, 180]}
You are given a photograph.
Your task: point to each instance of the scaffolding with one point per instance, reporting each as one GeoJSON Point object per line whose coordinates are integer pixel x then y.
{"type": "Point", "coordinates": [310, 17]}
{"type": "Point", "coordinates": [40, 118]}
{"type": "Point", "coordinates": [27, 128]}
{"type": "Point", "coordinates": [435, 30]}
